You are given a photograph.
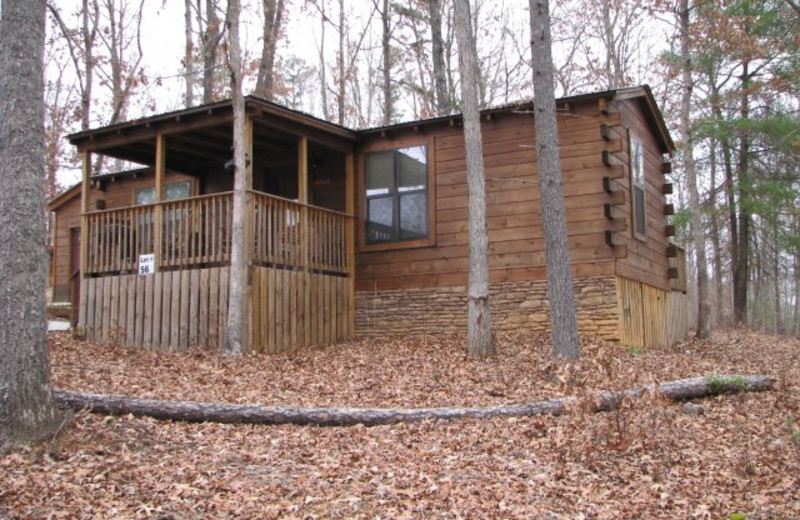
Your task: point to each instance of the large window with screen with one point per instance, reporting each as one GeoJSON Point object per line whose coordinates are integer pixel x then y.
{"type": "Point", "coordinates": [397, 195]}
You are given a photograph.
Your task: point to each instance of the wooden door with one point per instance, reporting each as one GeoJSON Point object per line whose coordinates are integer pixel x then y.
{"type": "Point", "coordinates": [74, 272]}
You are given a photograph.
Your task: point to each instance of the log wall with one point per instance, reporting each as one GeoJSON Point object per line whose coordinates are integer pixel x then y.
{"type": "Point", "coordinates": [512, 195]}
{"type": "Point", "coordinates": [650, 316]}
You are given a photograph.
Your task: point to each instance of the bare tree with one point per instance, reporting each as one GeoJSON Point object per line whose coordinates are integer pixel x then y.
{"type": "Point", "coordinates": [188, 56]}
{"type": "Point", "coordinates": [237, 301]}
{"type": "Point", "coordinates": [386, 50]}
{"type": "Point", "coordinates": [444, 104]}
{"type": "Point", "coordinates": [687, 142]}
{"type": "Point", "coordinates": [122, 38]}
{"type": "Point", "coordinates": [273, 21]}
{"type": "Point", "coordinates": [210, 36]}
{"type": "Point", "coordinates": [563, 323]}
{"type": "Point", "coordinates": [27, 410]}
{"type": "Point", "coordinates": [479, 316]}
{"type": "Point", "coordinates": [81, 44]}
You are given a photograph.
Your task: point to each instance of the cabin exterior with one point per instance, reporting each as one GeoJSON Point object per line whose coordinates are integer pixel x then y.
{"type": "Point", "coordinates": [365, 232]}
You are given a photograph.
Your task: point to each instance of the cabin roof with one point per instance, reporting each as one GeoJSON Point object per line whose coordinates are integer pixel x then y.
{"type": "Point", "coordinates": [643, 93]}
{"type": "Point", "coordinates": [251, 102]}
{"type": "Point", "coordinates": [74, 190]}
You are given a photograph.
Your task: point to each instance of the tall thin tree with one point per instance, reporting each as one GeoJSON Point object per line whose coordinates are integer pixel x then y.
{"type": "Point", "coordinates": [563, 322]}
{"type": "Point", "coordinates": [273, 22]}
{"type": "Point", "coordinates": [479, 316]}
{"type": "Point", "coordinates": [687, 142]}
{"type": "Point", "coordinates": [237, 302]}
{"type": "Point", "coordinates": [27, 410]}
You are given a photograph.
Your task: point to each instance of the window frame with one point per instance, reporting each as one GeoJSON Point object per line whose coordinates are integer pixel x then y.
{"type": "Point", "coordinates": [633, 141]}
{"type": "Point", "coordinates": [136, 191]}
{"type": "Point", "coordinates": [385, 146]}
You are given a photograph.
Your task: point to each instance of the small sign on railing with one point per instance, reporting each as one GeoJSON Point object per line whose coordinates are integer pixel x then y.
{"type": "Point", "coordinates": [147, 264]}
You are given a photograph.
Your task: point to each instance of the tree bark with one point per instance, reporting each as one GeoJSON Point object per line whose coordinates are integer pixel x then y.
{"type": "Point", "coordinates": [742, 268]}
{"type": "Point", "coordinates": [188, 56]}
{"type": "Point", "coordinates": [192, 411]}
{"type": "Point", "coordinates": [479, 316]}
{"type": "Point", "coordinates": [698, 237]}
{"type": "Point", "coordinates": [719, 298]}
{"type": "Point", "coordinates": [386, 41]}
{"type": "Point", "coordinates": [237, 302]}
{"type": "Point", "coordinates": [210, 37]}
{"type": "Point", "coordinates": [443, 103]}
{"type": "Point", "coordinates": [563, 322]}
{"type": "Point", "coordinates": [273, 21]}
{"type": "Point", "coordinates": [27, 411]}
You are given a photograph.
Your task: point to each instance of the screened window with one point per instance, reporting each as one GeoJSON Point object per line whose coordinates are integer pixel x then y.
{"type": "Point", "coordinates": [397, 195]}
{"type": "Point", "coordinates": [638, 191]}
{"type": "Point", "coordinates": [172, 191]}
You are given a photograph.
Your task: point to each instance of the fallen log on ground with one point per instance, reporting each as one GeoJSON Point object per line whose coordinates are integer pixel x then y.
{"type": "Point", "coordinates": [192, 411]}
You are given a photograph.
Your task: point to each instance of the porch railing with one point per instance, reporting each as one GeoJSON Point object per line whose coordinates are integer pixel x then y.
{"type": "Point", "coordinates": [196, 232]}
{"type": "Point", "coordinates": [293, 234]}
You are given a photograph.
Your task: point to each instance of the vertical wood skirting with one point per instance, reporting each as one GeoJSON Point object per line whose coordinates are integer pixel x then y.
{"type": "Point", "coordinates": [649, 316]}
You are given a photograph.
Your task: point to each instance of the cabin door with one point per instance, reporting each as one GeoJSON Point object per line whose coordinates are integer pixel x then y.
{"type": "Point", "coordinates": [74, 272]}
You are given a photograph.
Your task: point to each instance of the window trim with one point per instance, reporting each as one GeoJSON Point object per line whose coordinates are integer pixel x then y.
{"type": "Point", "coordinates": [635, 233]}
{"type": "Point", "coordinates": [192, 190]}
{"type": "Point", "coordinates": [386, 145]}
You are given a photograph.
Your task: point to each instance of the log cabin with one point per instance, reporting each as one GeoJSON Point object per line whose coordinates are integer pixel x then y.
{"type": "Point", "coordinates": [364, 232]}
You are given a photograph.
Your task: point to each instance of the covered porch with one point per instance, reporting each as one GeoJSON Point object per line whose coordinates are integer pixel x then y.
{"type": "Point", "coordinates": [299, 231]}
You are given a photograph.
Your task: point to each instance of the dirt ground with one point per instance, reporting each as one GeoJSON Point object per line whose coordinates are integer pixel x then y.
{"type": "Point", "coordinates": [735, 454]}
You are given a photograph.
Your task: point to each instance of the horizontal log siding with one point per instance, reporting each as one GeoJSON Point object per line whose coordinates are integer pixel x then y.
{"type": "Point", "coordinates": [647, 259]}
{"type": "Point", "coordinates": [513, 219]}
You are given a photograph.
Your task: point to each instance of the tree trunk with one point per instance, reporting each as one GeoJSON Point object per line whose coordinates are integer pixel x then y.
{"type": "Point", "coordinates": [210, 37]}
{"type": "Point", "coordinates": [715, 240]}
{"type": "Point", "coordinates": [563, 323]}
{"type": "Point", "coordinates": [323, 81]}
{"type": "Point", "coordinates": [698, 237]}
{"type": "Point", "coordinates": [741, 273]}
{"type": "Point", "coordinates": [443, 103]}
{"type": "Point", "coordinates": [386, 40]}
{"type": "Point", "coordinates": [776, 278]}
{"type": "Point", "coordinates": [89, 35]}
{"type": "Point", "coordinates": [273, 21]}
{"type": "Point", "coordinates": [237, 301]}
{"type": "Point", "coordinates": [193, 411]}
{"type": "Point", "coordinates": [479, 316]}
{"type": "Point", "coordinates": [188, 56]}
{"type": "Point", "coordinates": [340, 65]}
{"type": "Point", "coordinates": [27, 410]}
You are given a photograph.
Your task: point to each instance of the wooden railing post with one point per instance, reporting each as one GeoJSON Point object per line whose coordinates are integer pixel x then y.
{"type": "Point", "coordinates": [160, 166]}
{"type": "Point", "coordinates": [85, 195]}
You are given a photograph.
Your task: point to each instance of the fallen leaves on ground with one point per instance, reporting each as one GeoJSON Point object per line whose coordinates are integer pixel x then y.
{"type": "Point", "coordinates": [652, 459]}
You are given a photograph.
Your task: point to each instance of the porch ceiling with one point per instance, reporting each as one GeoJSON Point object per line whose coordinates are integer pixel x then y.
{"type": "Point", "coordinates": [204, 149]}
{"type": "Point", "coordinates": [199, 139]}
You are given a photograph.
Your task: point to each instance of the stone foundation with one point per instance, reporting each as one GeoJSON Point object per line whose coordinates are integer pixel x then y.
{"type": "Point", "coordinates": [516, 306]}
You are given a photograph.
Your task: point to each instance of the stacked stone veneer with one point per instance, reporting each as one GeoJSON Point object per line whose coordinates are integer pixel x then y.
{"type": "Point", "coordinates": [516, 306]}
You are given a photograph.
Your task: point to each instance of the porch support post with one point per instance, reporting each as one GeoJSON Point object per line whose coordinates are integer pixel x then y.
{"type": "Point", "coordinates": [85, 196]}
{"type": "Point", "coordinates": [350, 240]}
{"type": "Point", "coordinates": [160, 166]}
{"type": "Point", "coordinates": [252, 336]}
{"type": "Point", "coordinates": [304, 336]}
{"type": "Point", "coordinates": [302, 197]}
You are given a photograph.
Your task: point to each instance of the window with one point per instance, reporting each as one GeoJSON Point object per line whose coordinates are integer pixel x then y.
{"type": "Point", "coordinates": [172, 191]}
{"type": "Point", "coordinates": [638, 189]}
{"type": "Point", "coordinates": [397, 195]}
